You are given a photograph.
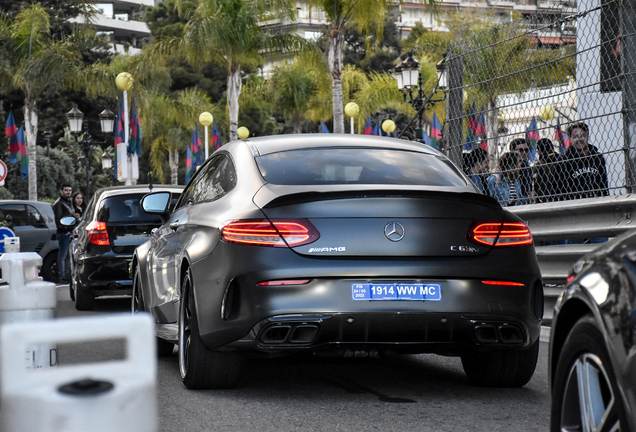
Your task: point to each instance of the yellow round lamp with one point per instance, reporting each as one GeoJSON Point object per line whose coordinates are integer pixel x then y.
{"type": "Point", "coordinates": [124, 81]}
{"type": "Point", "coordinates": [206, 119]}
{"type": "Point", "coordinates": [351, 109]}
{"type": "Point", "coordinates": [388, 126]}
{"type": "Point", "coordinates": [547, 113]}
{"type": "Point", "coordinates": [243, 132]}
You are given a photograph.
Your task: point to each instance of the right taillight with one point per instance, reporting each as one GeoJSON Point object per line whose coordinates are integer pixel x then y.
{"type": "Point", "coordinates": [501, 234]}
{"type": "Point", "coordinates": [97, 233]}
{"type": "Point", "coordinates": [276, 233]}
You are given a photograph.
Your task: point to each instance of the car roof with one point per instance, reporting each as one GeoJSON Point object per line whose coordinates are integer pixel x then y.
{"type": "Point", "coordinates": [124, 190]}
{"type": "Point", "coordinates": [33, 203]}
{"type": "Point", "coordinates": [277, 143]}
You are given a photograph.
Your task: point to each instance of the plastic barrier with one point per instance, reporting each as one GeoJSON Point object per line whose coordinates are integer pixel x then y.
{"type": "Point", "coordinates": [27, 297]}
{"type": "Point", "coordinates": [108, 396]}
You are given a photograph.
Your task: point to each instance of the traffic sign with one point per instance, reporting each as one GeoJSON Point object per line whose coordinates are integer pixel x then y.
{"type": "Point", "coordinates": [3, 171]}
{"type": "Point", "coordinates": [5, 232]}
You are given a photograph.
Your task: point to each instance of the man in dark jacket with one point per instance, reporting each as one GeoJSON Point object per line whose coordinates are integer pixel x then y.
{"type": "Point", "coordinates": [63, 207]}
{"type": "Point", "coordinates": [582, 167]}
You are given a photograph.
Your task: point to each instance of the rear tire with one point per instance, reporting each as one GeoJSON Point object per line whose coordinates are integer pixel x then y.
{"type": "Point", "coordinates": [512, 368]}
{"type": "Point", "coordinates": [84, 299]}
{"type": "Point", "coordinates": [200, 367]}
{"type": "Point", "coordinates": [49, 267]}
{"type": "Point", "coordinates": [585, 383]}
{"type": "Point", "coordinates": [164, 347]}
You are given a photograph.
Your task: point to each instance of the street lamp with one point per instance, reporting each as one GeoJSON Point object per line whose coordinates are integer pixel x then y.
{"type": "Point", "coordinates": [75, 119]}
{"type": "Point", "coordinates": [409, 79]}
{"type": "Point", "coordinates": [47, 135]}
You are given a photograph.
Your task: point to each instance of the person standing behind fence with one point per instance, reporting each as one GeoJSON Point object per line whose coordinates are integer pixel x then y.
{"type": "Point", "coordinates": [522, 148]}
{"type": "Point", "coordinates": [545, 178]}
{"type": "Point", "coordinates": [505, 185]}
{"type": "Point", "coordinates": [476, 166]}
{"type": "Point", "coordinates": [582, 170]}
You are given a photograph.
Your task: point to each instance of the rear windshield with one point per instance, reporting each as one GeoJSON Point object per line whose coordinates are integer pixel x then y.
{"type": "Point", "coordinates": [125, 208]}
{"type": "Point", "coordinates": [357, 166]}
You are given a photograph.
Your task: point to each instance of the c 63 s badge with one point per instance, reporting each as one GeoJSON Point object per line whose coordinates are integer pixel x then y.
{"type": "Point", "coordinates": [470, 249]}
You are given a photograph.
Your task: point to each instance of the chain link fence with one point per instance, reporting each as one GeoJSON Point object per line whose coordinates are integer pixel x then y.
{"type": "Point", "coordinates": [542, 109]}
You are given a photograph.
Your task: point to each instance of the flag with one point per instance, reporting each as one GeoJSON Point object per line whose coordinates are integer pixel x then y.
{"type": "Point", "coordinates": [120, 133]}
{"type": "Point", "coordinates": [532, 135]}
{"type": "Point", "coordinates": [188, 162]}
{"type": "Point", "coordinates": [196, 147]}
{"type": "Point", "coordinates": [480, 132]}
{"type": "Point", "coordinates": [368, 127]}
{"type": "Point", "coordinates": [470, 138]}
{"type": "Point", "coordinates": [216, 138]}
{"type": "Point", "coordinates": [425, 138]}
{"type": "Point", "coordinates": [561, 136]}
{"type": "Point", "coordinates": [377, 130]}
{"type": "Point", "coordinates": [11, 131]}
{"type": "Point", "coordinates": [436, 132]}
{"type": "Point", "coordinates": [472, 120]}
{"type": "Point", "coordinates": [134, 141]}
{"type": "Point", "coordinates": [323, 127]}
{"type": "Point", "coordinates": [24, 160]}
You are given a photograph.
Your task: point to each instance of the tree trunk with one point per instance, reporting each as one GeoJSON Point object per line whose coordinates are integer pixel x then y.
{"type": "Point", "coordinates": [31, 132]}
{"type": "Point", "coordinates": [492, 115]}
{"type": "Point", "coordinates": [298, 124]}
{"type": "Point", "coordinates": [233, 93]}
{"type": "Point", "coordinates": [173, 161]}
{"type": "Point", "coordinates": [334, 58]}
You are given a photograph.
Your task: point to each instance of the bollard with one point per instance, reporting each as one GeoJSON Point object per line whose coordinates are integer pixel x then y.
{"type": "Point", "coordinates": [27, 297]}
{"type": "Point", "coordinates": [107, 396]}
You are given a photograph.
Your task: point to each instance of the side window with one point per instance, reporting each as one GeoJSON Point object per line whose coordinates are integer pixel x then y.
{"type": "Point", "coordinates": [216, 179]}
{"type": "Point", "coordinates": [14, 215]}
{"type": "Point", "coordinates": [35, 218]}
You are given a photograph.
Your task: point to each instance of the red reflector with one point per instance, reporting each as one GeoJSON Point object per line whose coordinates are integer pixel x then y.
{"type": "Point", "coordinates": [487, 282]}
{"type": "Point", "coordinates": [277, 233]}
{"type": "Point", "coordinates": [97, 233]}
{"type": "Point", "coordinates": [284, 282]}
{"type": "Point", "coordinates": [501, 234]}
{"type": "Point", "coordinates": [570, 278]}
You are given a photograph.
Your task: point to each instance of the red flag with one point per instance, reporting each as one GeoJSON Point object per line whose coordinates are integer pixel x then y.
{"type": "Point", "coordinates": [436, 132]}
{"type": "Point", "coordinates": [216, 138]}
{"type": "Point", "coordinates": [368, 127]}
{"type": "Point", "coordinates": [14, 146]}
{"type": "Point", "coordinates": [561, 136]}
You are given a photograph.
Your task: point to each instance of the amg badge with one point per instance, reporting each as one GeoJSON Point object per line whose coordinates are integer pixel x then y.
{"type": "Point", "coordinates": [327, 249]}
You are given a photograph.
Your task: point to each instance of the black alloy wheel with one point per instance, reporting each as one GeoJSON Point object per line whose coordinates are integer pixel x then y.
{"type": "Point", "coordinates": [584, 394]}
{"type": "Point", "coordinates": [200, 367]}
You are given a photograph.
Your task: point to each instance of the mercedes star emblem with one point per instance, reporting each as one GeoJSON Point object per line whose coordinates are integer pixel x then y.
{"type": "Point", "coordinates": [394, 231]}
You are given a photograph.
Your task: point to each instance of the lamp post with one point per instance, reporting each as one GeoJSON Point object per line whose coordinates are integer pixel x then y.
{"type": "Point", "coordinates": [75, 119]}
{"type": "Point", "coordinates": [47, 135]}
{"type": "Point", "coordinates": [410, 83]}
{"type": "Point", "coordinates": [206, 119]}
{"type": "Point", "coordinates": [352, 109]}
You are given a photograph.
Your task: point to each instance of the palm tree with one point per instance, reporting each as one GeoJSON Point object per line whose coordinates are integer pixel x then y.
{"type": "Point", "coordinates": [368, 16]}
{"type": "Point", "coordinates": [229, 32]}
{"type": "Point", "coordinates": [32, 62]}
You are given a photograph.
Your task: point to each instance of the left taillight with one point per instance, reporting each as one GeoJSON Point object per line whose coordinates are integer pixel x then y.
{"type": "Point", "coordinates": [501, 234]}
{"type": "Point", "coordinates": [276, 233]}
{"type": "Point", "coordinates": [97, 233]}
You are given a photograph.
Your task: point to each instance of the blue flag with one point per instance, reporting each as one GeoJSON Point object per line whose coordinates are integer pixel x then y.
{"type": "Point", "coordinates": [323, 127]}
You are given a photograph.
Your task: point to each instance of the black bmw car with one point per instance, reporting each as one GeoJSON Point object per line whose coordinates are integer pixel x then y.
{"type": "Point", "coordinates": [105, 239]}
{"type": "Point", "coordinates": [346, 245]}
{"type": "Point", "coordinates": [593, 343]}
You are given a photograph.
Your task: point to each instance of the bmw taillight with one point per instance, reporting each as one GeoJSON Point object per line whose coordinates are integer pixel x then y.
{"type": "Point", "coordinates": [501, 234]}
{"type": "Point", "coordinates": [277, 233]}
{"type": "Point", "coordinates": [97, 233]}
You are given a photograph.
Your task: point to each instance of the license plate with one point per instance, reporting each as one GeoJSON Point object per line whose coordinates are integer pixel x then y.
{"type": "Point", "coordinates": [396, 291]}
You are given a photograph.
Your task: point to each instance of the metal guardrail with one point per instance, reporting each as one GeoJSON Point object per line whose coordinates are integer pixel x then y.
{"type": "Point", "coordinates": [577, 219]}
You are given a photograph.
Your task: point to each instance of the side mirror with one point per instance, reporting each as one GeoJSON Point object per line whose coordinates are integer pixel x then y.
{"type": "Point", "coordinates": [156, 203]}
{"type": "Point", "coordinates": [68, 221]}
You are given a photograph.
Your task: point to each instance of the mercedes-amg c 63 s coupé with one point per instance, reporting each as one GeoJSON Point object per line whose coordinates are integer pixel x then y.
{"type": "Point", "coordinates": [353, 245]}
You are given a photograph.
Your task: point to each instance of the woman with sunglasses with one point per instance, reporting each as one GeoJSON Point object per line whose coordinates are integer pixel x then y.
{"type": "Point", "coordinates": [505, 185]}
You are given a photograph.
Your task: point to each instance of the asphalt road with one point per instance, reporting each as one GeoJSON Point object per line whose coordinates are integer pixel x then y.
{"type": "Point", "coordinates": [403, 393]}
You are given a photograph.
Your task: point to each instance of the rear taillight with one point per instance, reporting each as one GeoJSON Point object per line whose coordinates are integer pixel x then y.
{"type": "Point", "coordinates": [97, 233]}
{"type": "Point", "coordinates": [277, 233]}
{"type": "Point", "coordinates": [500, 234]}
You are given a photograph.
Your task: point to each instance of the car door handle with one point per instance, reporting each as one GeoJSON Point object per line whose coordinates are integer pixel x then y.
{"type": "Point", "coordinates": [174, 225]}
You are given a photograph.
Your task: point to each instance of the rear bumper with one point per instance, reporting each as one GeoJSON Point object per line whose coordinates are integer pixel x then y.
{"type": "Point", "coordinates": [105, 273]}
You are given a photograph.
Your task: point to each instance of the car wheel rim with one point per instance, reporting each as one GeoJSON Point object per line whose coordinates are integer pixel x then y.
{"type": "Point", "coordinates": [589, 403]}
{"type": "Point", "coordinates": [185, 319]}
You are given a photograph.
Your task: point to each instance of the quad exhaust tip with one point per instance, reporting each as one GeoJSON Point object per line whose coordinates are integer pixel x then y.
{"type": "Point", "coordinates": [487, 333]}
{"type": "Point", "coordinates": [290, 334]}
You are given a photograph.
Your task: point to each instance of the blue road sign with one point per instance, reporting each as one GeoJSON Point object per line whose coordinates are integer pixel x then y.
{"type": "Point", "coordinates": [5, 232]}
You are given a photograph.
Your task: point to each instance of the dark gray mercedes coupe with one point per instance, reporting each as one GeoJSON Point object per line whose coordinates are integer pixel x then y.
{"type": "Point", "coordinates": [338, 244]}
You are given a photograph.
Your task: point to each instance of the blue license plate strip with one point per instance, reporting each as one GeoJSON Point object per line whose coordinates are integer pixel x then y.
{"type": "Point", "coordinates": [396, 291]}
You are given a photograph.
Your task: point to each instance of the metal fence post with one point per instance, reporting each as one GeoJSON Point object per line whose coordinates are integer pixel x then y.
{"type": "Point", "coordinates": [628, 84]}
{"type": "Point", "coordinates": [455, 108]}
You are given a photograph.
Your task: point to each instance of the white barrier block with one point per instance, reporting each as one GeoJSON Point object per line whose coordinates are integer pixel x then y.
{"type": "Point", "coordinates": [109, 396]}
{"type": "Point", "coordinates": [11, 244]}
